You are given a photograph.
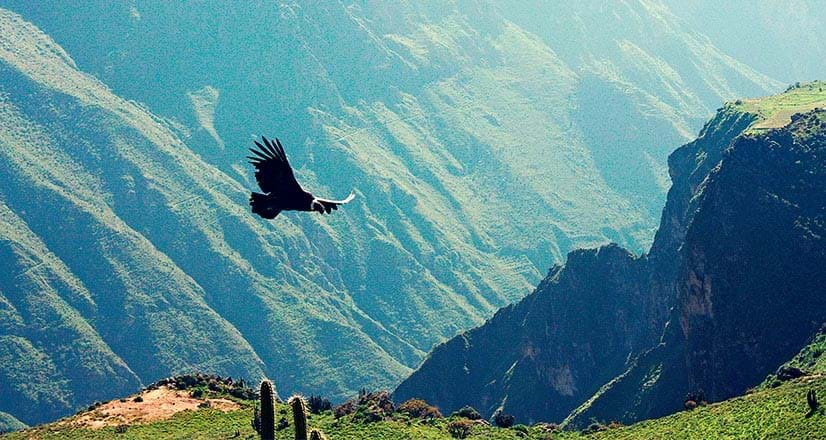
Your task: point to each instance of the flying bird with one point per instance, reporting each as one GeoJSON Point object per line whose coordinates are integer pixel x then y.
{"type": "Point", "coordinates": [283, 193]}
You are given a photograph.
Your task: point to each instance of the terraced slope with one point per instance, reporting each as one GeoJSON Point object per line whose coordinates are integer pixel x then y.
{"type": "Point", "coordinates": [776, 111]}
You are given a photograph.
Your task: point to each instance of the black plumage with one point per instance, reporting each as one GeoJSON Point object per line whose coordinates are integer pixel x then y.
{"type": "Point", "coordinates": [281, 191]}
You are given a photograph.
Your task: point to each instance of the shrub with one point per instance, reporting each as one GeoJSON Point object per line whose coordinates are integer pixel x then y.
{"type": "Point", "coordinates": [367, 407]}
{"type": "Point", "coordinates": [460, 428]}
{"type": "Point", "coordinates": [595, 427]}
{"type": "Point", "coordinates": [138, 399]}
{"type": "Point", "coordinates": [785, 373]}
{"type": "Point", "coordinates": [317, 404]}
{"type": "Point", "coordinates": [521, 428]}
{"type": "Point", "coordinates": [503, 420]}
{"type": "Point", "coordinates": [419, 409]}
{"type": "Point", "coordinates": [690, 404]}
{"type": "Point", "coordinates": [699, 397]}
{"type": "Point", "coordinates": [345, 409]}
{"type": "Point", "coordinates": [121, 429]}
{"type": "Point", "coordinates": [467, 412]}
{"type": "Point", "coordinates": [368, 414]}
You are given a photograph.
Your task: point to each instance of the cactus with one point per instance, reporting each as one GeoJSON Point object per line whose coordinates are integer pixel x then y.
{"type": "Point", "coordinates": [317, 435]}
{"type": "Point", "coordinates": [267, 414]}
{"type": "Point", "coordinates": [299, 417]}
{"type": "Point", "coordinates": [811, 399]}
{"type": "Point", "coordinates": [256, 419]}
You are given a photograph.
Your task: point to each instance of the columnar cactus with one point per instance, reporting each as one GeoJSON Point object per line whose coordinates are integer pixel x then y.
{"type": "Point", "coordinates": [317, 435]}
{"type": "Point", "coordinates": [299, 417]}
{"type": "Point", "coordinates": [811, 399]}
{"type": "Point", "coordinates": [267, 414]}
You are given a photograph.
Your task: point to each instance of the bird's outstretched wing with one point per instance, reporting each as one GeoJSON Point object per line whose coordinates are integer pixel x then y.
{"type": "Point", "coordinates": [272, 170]}
{"type": "Point", "coordinates": [346, 200]}
{"type": "Point", "coordinates": [330, 205]}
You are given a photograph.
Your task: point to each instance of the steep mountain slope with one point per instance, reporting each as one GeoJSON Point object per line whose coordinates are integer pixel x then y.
{"type": "Point", "coordinates": [469, 79]}
{"type": "Point", "coordinates": [9, 423]}
{"type": "Point", "coordinates": [466, 136]}
{"type": "Point", "coordinates": [97, 298]}
{"type": "Point", "coordinates": [541, 358]}
{"type": "Point", "coordinates": [750, 289]}
{"type": "Point", "coordinates": [782, 38]}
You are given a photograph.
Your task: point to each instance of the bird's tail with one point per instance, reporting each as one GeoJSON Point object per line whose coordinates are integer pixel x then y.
{"type": "Point", "coordinates": [264, 205]}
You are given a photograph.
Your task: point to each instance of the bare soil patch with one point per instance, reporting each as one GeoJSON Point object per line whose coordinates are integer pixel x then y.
{"type": "Point", "coordinates": [158, 404]}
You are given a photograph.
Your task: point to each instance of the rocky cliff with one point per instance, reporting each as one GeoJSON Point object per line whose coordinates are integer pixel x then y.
{"type": "Point", "coordinates": [750, 286]}
{"type": "Point", "coordinates": [734, 198]}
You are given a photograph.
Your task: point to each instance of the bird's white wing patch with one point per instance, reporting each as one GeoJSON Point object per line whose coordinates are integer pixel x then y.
{"type": "Point", "coordinates": [348, 199]}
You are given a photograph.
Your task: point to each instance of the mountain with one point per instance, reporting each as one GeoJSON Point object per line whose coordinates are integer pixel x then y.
{"type": "Point", "coordinates": [9, 423]}
{"type": "Point", "coordinates": [483, 148]}
{"type": "Point", "coordinates": [740, 238]}
{"type": "Point", "coordinates": [749, 292]}
{"type": "Point", "coordinates": [782, 38]}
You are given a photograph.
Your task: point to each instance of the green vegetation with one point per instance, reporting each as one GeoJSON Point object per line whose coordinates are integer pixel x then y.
{"type": "Point", "coordinates": [774, 413]}
{"type": "Point", "coordinates": [778, 413]}
{"type": "Point", "coordinates": [8, 423]}
{"type": "Point", "coordinates": [775, 111]}
{"type": "Point", "coordinates": [810, 361]}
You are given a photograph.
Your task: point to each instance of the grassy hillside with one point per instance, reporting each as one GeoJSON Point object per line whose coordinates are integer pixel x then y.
{"type": "Point", "coordinates": [774, 413]}
{"type": "Point", "coordinates": [775, 111]}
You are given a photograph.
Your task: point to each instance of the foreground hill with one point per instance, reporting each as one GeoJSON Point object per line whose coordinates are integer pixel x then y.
{"type": "Point", "coordinates": [479, 145]}
{"type": "Point", "coordinates": [780, 412]}
{"type": "Point", "coordinates": [740, 252]}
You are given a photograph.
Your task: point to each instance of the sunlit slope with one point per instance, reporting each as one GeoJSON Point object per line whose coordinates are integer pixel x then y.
{"type": "Point", "coordinates": [481, 152]}
{"type": "Point", "coordinates": [85, 176]}
{"type": "Point", "coordinates": [569, 114]}
{"type": "Point", "coordinates": [775, 111]}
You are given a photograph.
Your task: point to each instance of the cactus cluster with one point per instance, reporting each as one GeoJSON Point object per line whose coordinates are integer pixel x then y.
{"type": "Point", "coordinates": [264, 418]}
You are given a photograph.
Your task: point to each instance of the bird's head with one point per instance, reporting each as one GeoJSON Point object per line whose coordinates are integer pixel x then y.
{"type": "Point", "coordinates": [317, 206]}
